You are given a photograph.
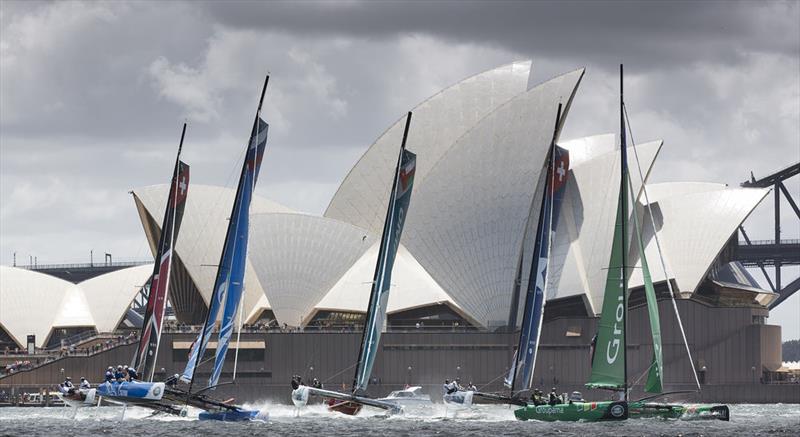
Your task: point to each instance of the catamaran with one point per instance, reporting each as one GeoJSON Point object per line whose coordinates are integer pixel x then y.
{"type": "Point", "coordinates": [228, 291]}
{"type": "Point", "coordinates": [351, 403]}
{"type": "Point", "coordinates": [146, 392]}
{"type": "Point", "coordinates": [609, 363]}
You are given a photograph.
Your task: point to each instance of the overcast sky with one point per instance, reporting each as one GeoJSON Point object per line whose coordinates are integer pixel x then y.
{"type": "Point", "coordinates": [92, 97]}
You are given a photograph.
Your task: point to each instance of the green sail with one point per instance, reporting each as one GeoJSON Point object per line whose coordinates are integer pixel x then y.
{"type": "Point", "coordinates": [608, 365]}
{"type": "Point", "coordinates": [654, 382]}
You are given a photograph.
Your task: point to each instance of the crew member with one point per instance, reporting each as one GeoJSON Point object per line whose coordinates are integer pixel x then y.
{"type": "Point", "coordinates": [172, 381]}
{"type": "Point", "coordinates": [68, 386]}
{"type": "Point", "coordinates": [297, 381]}
{"type": "Point", "coordinates": [452, 387]}
{"type": "Point", "coordinates": [553, 397]}
{"type": "Point", "coordinates": [316, 384]}
{"type": "Point", "coordinates": [119, 375]}
{"type": "Point", "coordinates": [109, 374]}
{"type": "Point", "coordinates": [85, 384]}
{"type": "Point", "coordinates": [132, 375]}
{"type": "Point", "coordinates": [471, 387]}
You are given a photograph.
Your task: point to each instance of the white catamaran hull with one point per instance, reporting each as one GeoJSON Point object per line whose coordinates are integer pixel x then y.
{"type": "Point", "coordinates": [80, 399]}
{"type": "Point", "coordinates": [300, 396]}
{"type": "Point", "coordinates": [459, 399]}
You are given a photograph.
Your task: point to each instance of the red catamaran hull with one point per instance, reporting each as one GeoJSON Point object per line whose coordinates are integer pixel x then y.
{"type": "Point", "coordinates": [344, 407]}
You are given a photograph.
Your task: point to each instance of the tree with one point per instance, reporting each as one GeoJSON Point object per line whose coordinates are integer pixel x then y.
{"type": "Point", "coordinates": [791, 350]}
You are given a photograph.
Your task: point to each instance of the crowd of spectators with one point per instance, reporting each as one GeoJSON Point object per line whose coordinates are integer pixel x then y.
{"type": "Point", "coordinates": [43, 356]}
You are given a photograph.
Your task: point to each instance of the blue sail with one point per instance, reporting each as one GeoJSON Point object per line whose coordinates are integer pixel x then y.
{"type": "Point", "coordinates": [525, 357]}
{"type": "Point", "coordinates": [239, 231]}
{"type": "Point", "coordinates": [379, 298]}
{"type": "Point", "coordinates": [229, 284]}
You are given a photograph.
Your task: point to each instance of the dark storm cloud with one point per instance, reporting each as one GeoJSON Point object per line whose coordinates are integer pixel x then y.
{"type": "Point", "coordinates": [656, 33]}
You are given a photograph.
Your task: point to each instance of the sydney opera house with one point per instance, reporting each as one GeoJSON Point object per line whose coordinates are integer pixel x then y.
{"type": "Point", "coordinates": [481, 146]}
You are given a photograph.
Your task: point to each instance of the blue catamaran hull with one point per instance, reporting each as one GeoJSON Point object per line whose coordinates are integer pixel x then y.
{"type": "Point", "coordinates": [231, 415]}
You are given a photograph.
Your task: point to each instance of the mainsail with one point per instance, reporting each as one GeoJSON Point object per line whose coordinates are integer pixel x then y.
{"type": "Point", "coordinates": [390, 241]}
{"type": "Point", "coordinates": [229, 284]}
{"type": "Point", "coordinates": [145, 355]}
{"type": "Point", "coordinates": [524, 361]}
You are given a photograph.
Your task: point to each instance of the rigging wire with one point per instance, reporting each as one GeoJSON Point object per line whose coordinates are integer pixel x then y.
{"type": "Point", "coordinates": [660, 251]}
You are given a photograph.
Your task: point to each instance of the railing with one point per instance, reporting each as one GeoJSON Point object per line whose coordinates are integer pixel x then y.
{"type": "Point", "coordinates": [768, 242]}
{"type": "Point", "coordinates": [127, 263]}
{"type": "Point", "coordinates": [75, 339]}
{"type": "Point", "coordinates": [44, 357]}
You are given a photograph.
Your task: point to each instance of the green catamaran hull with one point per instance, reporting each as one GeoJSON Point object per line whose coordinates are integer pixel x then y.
{"type": "Point", "coordinates": [602, 411]}
{"type": "Point", "coordinates": [574, 412]}
{"type": "Point", "coordinates": [638, 410]}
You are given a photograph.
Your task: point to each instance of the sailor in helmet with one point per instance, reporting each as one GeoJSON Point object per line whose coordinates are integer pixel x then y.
{"type": "Point", "coordinates": [119, 375]}
{"type": "Point", "coordinates": [132, 375]}
{"type": "Point", "coordinates": [68, 386]}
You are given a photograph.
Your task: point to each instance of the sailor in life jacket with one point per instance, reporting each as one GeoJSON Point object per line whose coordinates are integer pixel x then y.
{"type": "Point", "coordinates": [85, 384]}
{"type": "Point", "coordinates": [110, 374]}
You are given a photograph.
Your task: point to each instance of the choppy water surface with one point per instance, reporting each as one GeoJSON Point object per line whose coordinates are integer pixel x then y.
{"type": "Point", "coordinates": [782, 420]}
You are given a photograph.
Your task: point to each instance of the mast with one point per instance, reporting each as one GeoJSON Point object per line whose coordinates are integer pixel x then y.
{"type": "Point", "coordinates": [624, 206]}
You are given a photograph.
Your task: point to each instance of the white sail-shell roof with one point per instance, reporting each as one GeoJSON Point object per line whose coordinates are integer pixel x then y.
{"type": "Point", "coordinates": [582, 244]}
{"type": "Point", "coordinates": [109, 296]}
{"type": "Point", "coordinates": [36, 303]}
{"type": "Point", "coordinates": [298, 259]}
{"type": "Point", "coordinates": [202, 232]}
{"type": "Point", "coordinates": [30, 302]}
{"type": "Point", "coordinates": [411, 286]}
{"type": "Point", "coordinates": [694, 222]}
{"type": "Point", "coordinates": [466, 221]}
{"type": "Point", "coordinates": [437, 123]}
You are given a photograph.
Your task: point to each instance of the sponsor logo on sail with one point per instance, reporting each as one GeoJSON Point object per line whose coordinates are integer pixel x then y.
{"type": "Point", "coordinates": [617, 332]}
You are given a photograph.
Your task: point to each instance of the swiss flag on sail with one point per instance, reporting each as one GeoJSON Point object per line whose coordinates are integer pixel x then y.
{"type": "Point", "coordinates": [560, 168]}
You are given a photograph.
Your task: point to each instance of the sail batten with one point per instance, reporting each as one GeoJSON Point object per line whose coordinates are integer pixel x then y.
{"type": "Point", "coordinates": [399, 200]}
{"type": "Point", "coordinates": [150, 339]}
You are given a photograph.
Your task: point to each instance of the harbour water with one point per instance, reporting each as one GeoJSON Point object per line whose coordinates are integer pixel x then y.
{"type": "Point", "coordinates": [749, 420]}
